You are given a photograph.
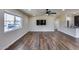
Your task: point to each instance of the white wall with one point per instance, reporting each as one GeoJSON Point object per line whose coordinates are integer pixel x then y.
{"type": "Point", "coordinates": [8, 38]}
{"type": "Point", "coordinates": [49, 23]}
{"type": "Point", "coordinates": [63, 25]}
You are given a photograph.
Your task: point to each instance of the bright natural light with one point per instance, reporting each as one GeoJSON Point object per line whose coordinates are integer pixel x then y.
{"type": "Point", "coordinates": [11, 22]}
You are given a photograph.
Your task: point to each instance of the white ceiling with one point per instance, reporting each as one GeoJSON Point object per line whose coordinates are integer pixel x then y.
{"type": "Point", "coordinates": [72, 11]}
{"type": "Point", "coordinates": [38, 12]}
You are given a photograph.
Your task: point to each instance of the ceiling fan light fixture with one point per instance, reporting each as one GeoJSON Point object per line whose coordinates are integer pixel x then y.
{"type": "Point", "coordinates": [47, 14]}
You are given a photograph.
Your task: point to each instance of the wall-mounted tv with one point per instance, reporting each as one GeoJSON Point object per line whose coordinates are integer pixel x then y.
{"type": "Point", "coordinates": [41, 22]}
{"type": "Point", "coordinates": [76, 20]}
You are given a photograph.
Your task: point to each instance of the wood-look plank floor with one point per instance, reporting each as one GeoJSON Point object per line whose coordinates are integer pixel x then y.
{"type": "Point", "coordinates": [46, 41]}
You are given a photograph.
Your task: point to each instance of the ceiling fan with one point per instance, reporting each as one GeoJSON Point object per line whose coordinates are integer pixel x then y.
{"type": "Point", "coordinates": [49, 12]}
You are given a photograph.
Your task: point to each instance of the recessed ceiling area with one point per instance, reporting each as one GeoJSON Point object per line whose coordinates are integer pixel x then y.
{"type": "Point", "coordinates": [40, 12]}
{"type": "Point", "coordinates": [33, 12]}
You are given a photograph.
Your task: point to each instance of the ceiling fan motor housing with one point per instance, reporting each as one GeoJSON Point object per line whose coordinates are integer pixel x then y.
{"type": "Point", "coordinates": [49, 12]}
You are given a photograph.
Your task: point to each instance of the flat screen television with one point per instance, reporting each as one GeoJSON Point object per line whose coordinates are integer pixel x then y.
{"type": "Point", "coordinates": [41, 22]}
{"type": "Point", "coordinates": [76, 20]}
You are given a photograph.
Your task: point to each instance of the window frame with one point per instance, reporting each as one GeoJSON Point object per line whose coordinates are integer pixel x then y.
{"type": "Point", "coordinates": [14, 21]}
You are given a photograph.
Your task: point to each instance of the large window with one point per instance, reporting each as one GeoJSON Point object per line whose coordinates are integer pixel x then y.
{"type": "Point", "coordinates": [11, 22]}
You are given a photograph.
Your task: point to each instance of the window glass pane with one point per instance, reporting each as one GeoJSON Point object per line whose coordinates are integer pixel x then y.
{"type": "Point", "coordinates": [18, 22]}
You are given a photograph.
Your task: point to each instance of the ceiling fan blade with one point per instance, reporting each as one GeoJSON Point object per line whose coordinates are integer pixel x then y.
{"type": "Point", "coordinates": [53, 13]}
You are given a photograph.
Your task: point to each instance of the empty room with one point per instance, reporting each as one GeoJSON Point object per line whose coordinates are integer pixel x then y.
{"type": "Point", "coordinates": [39, 29]}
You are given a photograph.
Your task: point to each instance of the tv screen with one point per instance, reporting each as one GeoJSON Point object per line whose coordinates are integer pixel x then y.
{"type": "Point", "coordinates": [38, 22]}
{"type": "Point", "coordinates": [41, 22]}
{"type": "Point", "coordinates": [76, 21]}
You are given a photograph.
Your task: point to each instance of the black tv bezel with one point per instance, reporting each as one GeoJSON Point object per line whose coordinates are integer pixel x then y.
{"type": "Point", "coordinates": [41, 22]}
